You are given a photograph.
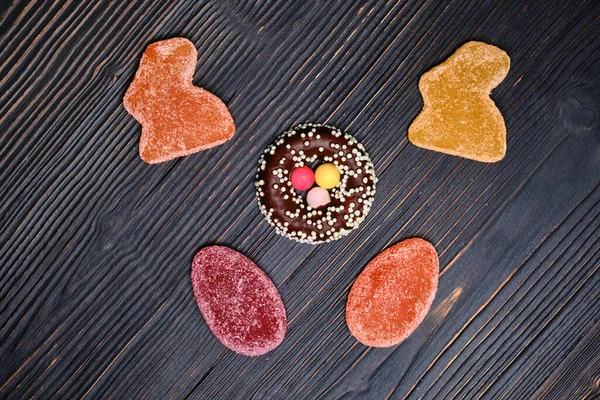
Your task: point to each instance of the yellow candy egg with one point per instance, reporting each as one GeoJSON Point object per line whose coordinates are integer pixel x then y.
{"type": "Point", "coordinates": [327, 176]}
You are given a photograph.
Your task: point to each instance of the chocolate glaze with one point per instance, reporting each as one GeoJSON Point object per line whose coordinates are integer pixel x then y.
{"type": "Point", "coordinates": [286, 209]}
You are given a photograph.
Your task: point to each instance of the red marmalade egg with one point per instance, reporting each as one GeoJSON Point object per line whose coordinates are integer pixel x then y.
{"type": "Point", "coordinates": [239, 302]}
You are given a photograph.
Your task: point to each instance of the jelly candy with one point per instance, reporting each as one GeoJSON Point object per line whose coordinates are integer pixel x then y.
{"type": "Point", "coordinates": [458, 115]}
{"type": "Point", "coordinates": [177, 117]}
{"type": "Point", "coordinates": [239, 302]}
{"type": "Point", "coordinates": [392, 295]}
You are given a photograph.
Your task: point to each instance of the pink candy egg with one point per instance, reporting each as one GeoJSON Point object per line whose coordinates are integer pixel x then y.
{"type": "Point", "coordinates": [317, 197]}
{"type": "Point", "coordinates": [302, 178]}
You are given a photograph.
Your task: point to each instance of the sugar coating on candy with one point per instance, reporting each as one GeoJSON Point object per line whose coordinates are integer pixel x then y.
{"type": "Point", "coordinates": [302, 178]}
{"type": "Point", "coordinates": [177, 117]}
{"type": "Point", "coordinates": [394, 292]}
{"type": "Point", "coordinates": [239, 302]}
{"type": "Point", "coordinates": [458, 115]}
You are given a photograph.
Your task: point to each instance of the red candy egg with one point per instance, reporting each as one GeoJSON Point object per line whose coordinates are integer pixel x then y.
{"type": "Point", "coordinates": [239, 302]}
{"type": "Point", "coordinates": [302, 178]}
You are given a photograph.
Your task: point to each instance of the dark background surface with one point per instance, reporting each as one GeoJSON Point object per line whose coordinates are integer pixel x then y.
{"type": "Point", "coordinates": [96, 246]}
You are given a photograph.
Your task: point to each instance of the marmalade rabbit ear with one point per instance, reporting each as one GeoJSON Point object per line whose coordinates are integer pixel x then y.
{"type": "Point", "coordinates": [458, 116]}
{"type": "Point", "coordinates": [177, 117]}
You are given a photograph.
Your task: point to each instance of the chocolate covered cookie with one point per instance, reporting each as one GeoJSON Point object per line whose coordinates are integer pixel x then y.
{"type": "Point", "coordinates": [343, 168]}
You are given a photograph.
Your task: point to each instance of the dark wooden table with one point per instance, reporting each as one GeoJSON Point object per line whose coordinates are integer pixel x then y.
{"type": "Point", "coordinates": [96, 245]}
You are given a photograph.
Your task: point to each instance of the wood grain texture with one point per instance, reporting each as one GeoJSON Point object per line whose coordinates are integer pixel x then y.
{"type": "Point", "coordinates": [96, 245]}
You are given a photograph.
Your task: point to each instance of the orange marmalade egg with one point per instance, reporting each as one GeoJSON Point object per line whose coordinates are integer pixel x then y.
{"type": "Point", "coordinates": [392, 295]}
